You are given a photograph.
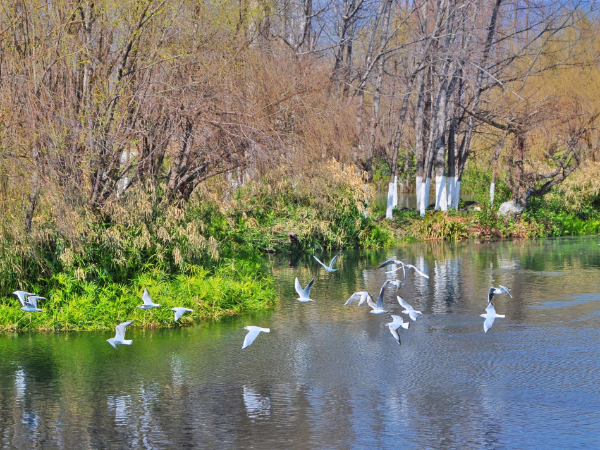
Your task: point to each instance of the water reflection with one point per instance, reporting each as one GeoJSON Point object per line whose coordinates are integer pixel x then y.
{"type": "Point", "coordinates": [330, 376]}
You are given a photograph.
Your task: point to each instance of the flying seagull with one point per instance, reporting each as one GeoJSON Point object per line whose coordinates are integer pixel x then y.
{"type": "Point", "coordinates": [148, 303]}
{"type": "Point", "coordinates": [304, 293]}
{"type": "Point", "coordinates": [360, 296]}
{"type": "Point", "coordinates": [393, 261]}
{"type": "Point", "coordinates": [22, 295]}
{"type": "Point", "coordinates": [119, 338]}
{"type": "Point", "coordinates": [180, 311]}
{"type": "Point", "coordinates": [410, 266]}
{"type": "Point", "coordinates": [252, 333]}
{"type": "Point", "coordinates": [490, 315]}
{"type": "Point", "coordinates": [377, 308]}
{"type": "Point", "coordinates": [31, 303]}
{"type": "Point", "coordinates": [497, 291]}
{"type": "Point", "coordinates": [395, 325]}
{"type": "Point", "coordinates": [330, 268]}
{"type": "Point", "coordinates": [408, 309]}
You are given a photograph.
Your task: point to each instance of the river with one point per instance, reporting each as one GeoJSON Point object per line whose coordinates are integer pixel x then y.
{"type": "Point", "coordinates": [329, 376]}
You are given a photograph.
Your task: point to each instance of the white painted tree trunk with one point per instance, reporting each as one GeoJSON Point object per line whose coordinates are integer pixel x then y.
{"type": "Point", "coordinates": [456, 195]}
{"type": "Point", "coordinates": [441, 195]}
{"type": "Point", "coordinates": [492, 189]}
{"type": "Point", "coordinates": [419, 182]}
{"type": "Point", "coordinates": [451, 189]}
{"type": "Point", "coordinates": [426, 187]}
{"type": "Point", "coordinates": [390, 202]}
{"type": "Point", "coordinates": [395, 191]}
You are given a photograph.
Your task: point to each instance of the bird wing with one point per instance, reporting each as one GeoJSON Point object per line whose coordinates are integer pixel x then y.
{"type": "Point", "coordinates": [404, 304]}
{"type": "Point", "coordinates": [33, 299]}
{"type": "Point", "coordinates": [354, 297]}
{"type": "Point", "coordinates": [249, 339]}
{"type": "Point", "coordinates": [505, 289]}
{"type": "Point", "coordinates": [307, 289]}
{"type": "Point", "coordinates": [394, 332]}
{"type": "Point", "coordinates": [423, 274]}
{"type": "Point", "coordinates": [146, 297]}
{"type": "Point", "coordinates": [298, 287]}
{"type": "Point", "coordinates": [387, 263]}
{"type": "Point", "coordinates": [21, 296]}
{"type": "Point", "coordinates": [490, 310]}
{"type": "Point", "coordinates": [489, 321]}
{"type": "Point", "coordinates": [178, 313]}
{"type": "Point", "coordinates": [381, 292]}
{"type": "Point", "coordinates": [371, 303]}
{"type": "Point", "coordinates": [319, 261]}
{"type": "Point", "coordinates": [333, 260]}
{"type": "Point", "coordinates": [491, 294]}
{"type": "Point", "coordinates": [120, 329]}
{"type": "Point", "coordinates": [364, 297]}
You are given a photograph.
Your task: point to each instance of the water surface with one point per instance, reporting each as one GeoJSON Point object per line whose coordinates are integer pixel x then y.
{"type": "Point", "coordinates": [329, 376]}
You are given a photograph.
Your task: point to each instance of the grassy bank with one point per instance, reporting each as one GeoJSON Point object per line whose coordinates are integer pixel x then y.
{"type": "Point", "coordinates": [206, 254]}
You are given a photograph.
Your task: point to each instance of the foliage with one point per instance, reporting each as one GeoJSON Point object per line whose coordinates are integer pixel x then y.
{"type": "Point", "coordinates": [74, 304]}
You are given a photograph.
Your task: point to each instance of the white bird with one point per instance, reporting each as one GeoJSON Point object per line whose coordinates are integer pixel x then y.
{"type": "Point", "coordinates": [377, 308]}
{"type": "Point", "coordinates": [180, 311]}
{"type": "Point", "coordinates": [410, 266]}
{"type": "Point", "coordinates": [393, 261]}
{"type": "Point", "coordinates": [252, 333]}
{"type": "Point", "coordinates": [148, 303]}
{"type": "Point", "coordinates": [304, 293]}
{"type": "Point", "coordinates": [330, 268]}
{"type": "Point", "coordinates": [361, 296]}
{"type": "Point", "coordinates": [22, 295]}
{"type": "Point", "coordinates": [402, 266]}
{"type": "Point", "coordinates": [395, 325]}
{"type": "Point", "coordinates": [119, 338]}
{"type": "Point", "coordinates": [408, 309]}
{"type": "Point", "coordinates": [490, 315]}
{"type": "Point", "coordinates": [497, 291]}
{"type": "Point", "coordinates": [31, 303]}
{"type": "Point", "coordinates": [397, 283]}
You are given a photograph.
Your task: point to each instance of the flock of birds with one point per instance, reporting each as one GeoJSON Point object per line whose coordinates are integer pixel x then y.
{"type": "Point", "coordinates": [377, 307]}
{"type": "Point", "coordinates": [29, 304]}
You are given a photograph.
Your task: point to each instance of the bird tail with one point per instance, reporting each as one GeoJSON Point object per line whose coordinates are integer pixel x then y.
{"type": "Point", "coordinates": [266, 330]}
{"type": "Point", "coordinates": [128, 342]}
{"type": "Point", "coordinates": [405, 325]}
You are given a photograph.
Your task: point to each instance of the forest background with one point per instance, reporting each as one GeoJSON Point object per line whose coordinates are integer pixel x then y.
{"type": "Point", "coordinates": [170, 144]}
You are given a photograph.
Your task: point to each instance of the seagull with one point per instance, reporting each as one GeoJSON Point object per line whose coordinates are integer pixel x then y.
{"type": "Point", "coordinates": [408, 309]}
{"type": "Point", "coordinates": [252, 333]}
{"type": "Point", "coordinates": [497, 291]}
{"type": "Point", "coordinates": [409, 266]}
{"type": "Point", "coordinates": [330, 268]}
{"type": "Point", "coordinates": [180, 311]}
{"type": "Point", "coordinates": [363, 295]}
{"type": "Point", "coordinates": [378, 307]}
{"type": "Point", "coordinates": [402, 266]}
{"type": "Point", "coordinates": [30, 304]}
{"type": "Point", "coordinates": [148, 303]}
{"type": "Point", "coordinates": [119, 338]}
{"type": "Point", "coordinates": [393, 261]}
{"type": "Point", "coordinates": [304, 293]}
{"type": "Point", "coordinates": [490, 315]}
{"type": "Point", "coordinates": [22, 295]}
{"type": "Point", "coordinates": [397, 323]}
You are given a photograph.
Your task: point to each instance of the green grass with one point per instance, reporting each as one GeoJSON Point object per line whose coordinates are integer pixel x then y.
{"type": "Point", "coordinates": [83, 305]}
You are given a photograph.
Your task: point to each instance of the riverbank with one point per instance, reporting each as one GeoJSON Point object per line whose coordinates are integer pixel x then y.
{"type": "Point", "coordinates": [208, 254]}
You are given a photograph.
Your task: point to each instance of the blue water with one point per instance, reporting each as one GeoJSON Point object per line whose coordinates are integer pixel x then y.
{"type": "Point", "coordinates": [329, 376]}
